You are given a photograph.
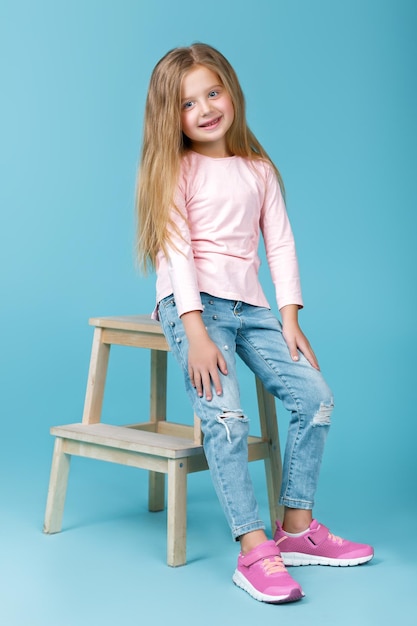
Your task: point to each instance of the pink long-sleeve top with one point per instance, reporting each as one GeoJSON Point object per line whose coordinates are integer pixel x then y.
{"type": "Point", "coordinates": [224, 205]}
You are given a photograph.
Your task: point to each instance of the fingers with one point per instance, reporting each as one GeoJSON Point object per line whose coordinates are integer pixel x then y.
{"type": "Point", "coordinates": [292, 348]}
{"type": "Point", "coordinates": [307, 350]}
{"type": "Point", "coordinates": [205, 380]}
{"type": "Point", "coordinates": [221, 363]}
{"type": "Point", "coordinates": [196, 380]}
{"type": "Point", "coordinates": [202, 382]}
{"type": "Point", "coordinates": [311, 358]}
{"type": "Point", "coordinates": [299, 343]}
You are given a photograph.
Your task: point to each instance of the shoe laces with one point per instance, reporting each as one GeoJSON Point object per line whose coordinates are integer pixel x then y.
{"type": "Point", "coordinates": [335, 539]}
{"type": "Point", "coordinates": [273, 565]}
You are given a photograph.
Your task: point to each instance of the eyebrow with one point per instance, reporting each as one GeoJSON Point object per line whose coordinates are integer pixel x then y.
{"type": "Point", "coordinates": [209, 89]}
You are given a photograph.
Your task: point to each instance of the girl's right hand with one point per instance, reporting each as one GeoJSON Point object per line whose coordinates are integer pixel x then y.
{"type": "Point", "coordinates": [204, 357]}
{"type": "Point", "coordinates": [204, 362]}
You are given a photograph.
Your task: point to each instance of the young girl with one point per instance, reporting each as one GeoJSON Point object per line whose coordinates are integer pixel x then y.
{"type": "Point", "coordinates": [206, 191]}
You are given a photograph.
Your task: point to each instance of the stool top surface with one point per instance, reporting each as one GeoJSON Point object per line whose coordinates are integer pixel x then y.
{"type": "Point", "coordinates": [140, 323]}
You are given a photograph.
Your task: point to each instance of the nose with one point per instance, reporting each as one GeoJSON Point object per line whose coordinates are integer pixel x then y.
{"type": "Point", "coordinates": [205, 107]}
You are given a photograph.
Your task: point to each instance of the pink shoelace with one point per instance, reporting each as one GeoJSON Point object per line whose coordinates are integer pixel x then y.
{"type": "Point", "coordinates": [274, 565]}
{"type": "Point", "coordinates": [335, 539]}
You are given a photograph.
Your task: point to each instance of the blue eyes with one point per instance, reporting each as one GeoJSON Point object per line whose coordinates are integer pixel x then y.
{"type": "Point", "coordinates": [211, 94]}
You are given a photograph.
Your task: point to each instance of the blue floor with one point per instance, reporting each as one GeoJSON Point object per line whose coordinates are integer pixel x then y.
{"type": "Point", "coordinates": [108, 566]}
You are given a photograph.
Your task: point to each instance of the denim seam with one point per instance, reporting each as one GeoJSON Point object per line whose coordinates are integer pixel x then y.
{"type": "Point", "coordinates": [246, 528]}
{"type": "Point", "coordinates": [296, 503]}
{"type": "Point", "coordinates": [220, 477]}
{"type": "Point", "coordinates": [296, 403]}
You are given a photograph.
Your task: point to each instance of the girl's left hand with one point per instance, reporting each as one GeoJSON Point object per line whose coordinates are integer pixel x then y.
{"type": "Point", "coordinates": [296, 340]}
{"type": "Point", "coordinates": [294, 336]}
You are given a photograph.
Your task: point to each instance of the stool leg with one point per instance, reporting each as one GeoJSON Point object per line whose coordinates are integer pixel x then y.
{"type": "Point", "coordinates": [57, 488]}
{"type": "Point", "coordinates": [273, 463]}
{"type": "Point", "coordinates": [156, 501]}
{"type": "Point", "coordinates": [96, 379]}
{"type": "Point", "coordinates": [177, 512]}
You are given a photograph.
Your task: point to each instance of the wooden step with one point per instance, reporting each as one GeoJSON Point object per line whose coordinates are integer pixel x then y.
{"type": "Point", "coordinates": [133, 439]}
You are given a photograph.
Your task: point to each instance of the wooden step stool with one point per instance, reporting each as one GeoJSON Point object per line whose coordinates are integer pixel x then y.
{"type": "Point", "coordinates": [160, 446]}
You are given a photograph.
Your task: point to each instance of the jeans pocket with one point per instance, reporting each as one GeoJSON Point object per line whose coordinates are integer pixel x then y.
{"type": "Point", "coordinates": [168, 301]}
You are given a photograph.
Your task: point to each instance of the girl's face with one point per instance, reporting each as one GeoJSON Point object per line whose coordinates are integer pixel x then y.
{"type": "Point", "coordinates": [206, 112]}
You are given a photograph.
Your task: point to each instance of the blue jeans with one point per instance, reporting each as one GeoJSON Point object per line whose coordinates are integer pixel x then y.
{"type": "Point", "coordinates": [255, 334]}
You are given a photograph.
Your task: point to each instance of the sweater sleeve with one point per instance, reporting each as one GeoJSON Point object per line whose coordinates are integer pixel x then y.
{"type": "Point", "coordinates": [279, 244]}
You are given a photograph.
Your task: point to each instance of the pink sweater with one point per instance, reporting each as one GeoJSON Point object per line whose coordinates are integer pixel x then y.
{"type": "Point", "coordinates": [226, 203]}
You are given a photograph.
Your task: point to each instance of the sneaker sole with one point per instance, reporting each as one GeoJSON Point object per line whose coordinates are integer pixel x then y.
{"type": "Point", "coordinates": [242, 582]}
{"type": "Point", "coordinates": [299, 558]}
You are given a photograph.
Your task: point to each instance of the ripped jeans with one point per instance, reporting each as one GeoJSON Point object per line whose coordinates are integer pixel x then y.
{"type": "Point", "coordinates": [255, 334]}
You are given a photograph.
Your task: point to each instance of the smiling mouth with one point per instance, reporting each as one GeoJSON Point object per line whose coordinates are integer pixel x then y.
{"type": "Point", "coordinates": [211, 123]}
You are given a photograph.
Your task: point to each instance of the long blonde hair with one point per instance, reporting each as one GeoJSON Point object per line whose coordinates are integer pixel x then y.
{"type": "Point", "coordinates": [164, 143]}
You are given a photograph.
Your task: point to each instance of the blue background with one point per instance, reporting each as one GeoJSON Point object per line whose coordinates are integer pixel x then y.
{"type": "Point", "coordinates": [331, 93]}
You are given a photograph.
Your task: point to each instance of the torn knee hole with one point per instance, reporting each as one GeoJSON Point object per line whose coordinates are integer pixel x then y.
{"type": "Point", "coordinates": [237, 413]}
{"type": "Point", "coordinates": [227, 418]}
{"type": "Point", "coordinates": [322, 417]}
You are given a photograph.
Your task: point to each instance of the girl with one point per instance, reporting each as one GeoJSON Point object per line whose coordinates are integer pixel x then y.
{"type": "Point", "coordinates": [206, 191]}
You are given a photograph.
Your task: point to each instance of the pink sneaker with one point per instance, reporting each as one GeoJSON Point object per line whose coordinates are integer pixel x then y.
{"type": "Point", "coordinates": [318, 546]}
{"type": "Point", "coordinates": [262, 574]}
